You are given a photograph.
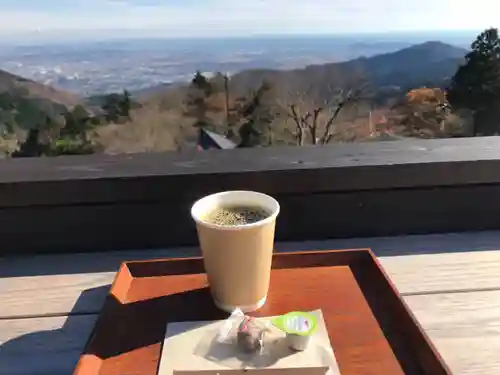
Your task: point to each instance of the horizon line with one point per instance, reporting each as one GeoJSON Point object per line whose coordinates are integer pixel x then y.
{"type": "Point", "coordinates": [37, 38]}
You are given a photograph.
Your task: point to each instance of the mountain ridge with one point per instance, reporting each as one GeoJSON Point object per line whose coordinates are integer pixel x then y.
{"type": "Point", "coordinates": [430, 62]}
{"type": "Point", "coordinates": [16, 84]}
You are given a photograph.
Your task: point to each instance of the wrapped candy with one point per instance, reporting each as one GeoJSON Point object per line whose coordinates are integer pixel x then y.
{"type": "Point", "coordinates": [239, 342]}
{"type": "Point", "coordinates": [250, 336]}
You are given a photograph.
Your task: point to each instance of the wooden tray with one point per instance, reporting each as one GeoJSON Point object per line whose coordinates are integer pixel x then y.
{"type": "Point", "coordinates": [371, 329]}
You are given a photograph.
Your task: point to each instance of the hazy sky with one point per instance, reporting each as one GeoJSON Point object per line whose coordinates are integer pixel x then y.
{"type": "Point", "coordinates": [238, 17]}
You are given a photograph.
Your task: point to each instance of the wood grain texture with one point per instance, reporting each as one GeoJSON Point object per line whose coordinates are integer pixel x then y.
{"type": "Point", "coordinates": [465, 327]}
{"type": "Point", "coordinates": [380, 165]}
{"type": "Point", "coordinates": [53, 294]}
{"type": "Point", "coordinates": [59, 284]}
{"type": "Point", "coordinates": [91, 167]}
{"type": "Point", "coordinates": [432, 273]}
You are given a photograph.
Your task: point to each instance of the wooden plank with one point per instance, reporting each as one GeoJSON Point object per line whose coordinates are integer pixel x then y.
{"type": "Point", "coordinates": [49, 295]}
{"type": "Point", "coordinates": [437, 273]}
{"type": "Point", "coordinates": [43, 346]}
{"type": "Point", "coordinates": [58, 284]}
{"type": "Point", "coordinates": [277, 170]}
{"type": "Point", "coordinates": [160, 224]}
{"type": "Point", "coordinates": [465, 327]}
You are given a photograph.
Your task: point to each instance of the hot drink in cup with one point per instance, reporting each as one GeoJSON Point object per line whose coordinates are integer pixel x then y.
{"type": "Point", "coordinates": [236, 235]}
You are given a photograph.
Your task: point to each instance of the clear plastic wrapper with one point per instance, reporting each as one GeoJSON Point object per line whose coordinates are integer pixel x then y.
{"type": "Point", "coordinates": [240, 342]}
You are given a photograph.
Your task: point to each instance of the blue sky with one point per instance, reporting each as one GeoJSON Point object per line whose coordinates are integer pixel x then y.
{"type": "Point", "coordinates": [240, 18]}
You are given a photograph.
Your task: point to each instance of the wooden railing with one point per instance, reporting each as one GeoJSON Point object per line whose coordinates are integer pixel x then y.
{"type": "Point", "coordinates": [101, 203]}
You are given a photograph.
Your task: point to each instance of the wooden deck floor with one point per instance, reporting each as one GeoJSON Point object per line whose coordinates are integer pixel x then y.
{"type": "Point", "coordinates": [48, 304]}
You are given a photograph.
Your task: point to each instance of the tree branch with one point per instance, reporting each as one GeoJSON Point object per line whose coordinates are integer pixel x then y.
{"type": "Point", "coordinates": [314, 125]}
{"type": "Point", "coordinates": [327, 134]}
{"type": "Point", "coordinates": [298, 122]}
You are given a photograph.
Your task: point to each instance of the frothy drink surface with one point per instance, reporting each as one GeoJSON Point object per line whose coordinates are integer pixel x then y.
{"type": "Point", "coordinates": [236, 215]}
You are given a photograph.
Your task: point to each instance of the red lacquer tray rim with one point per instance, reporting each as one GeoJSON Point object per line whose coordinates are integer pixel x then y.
{"type": "Point", "coordinates": [360, 254]}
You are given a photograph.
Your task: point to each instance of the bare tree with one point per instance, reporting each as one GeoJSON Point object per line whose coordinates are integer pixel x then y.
{"type": "Point", "coordinates": [317, 123]}
{"type": "Point", "coordinates": [226, 100]}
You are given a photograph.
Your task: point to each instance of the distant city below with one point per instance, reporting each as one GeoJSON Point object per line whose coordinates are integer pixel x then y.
{"type": "Point", "coordinates": [92, 68]}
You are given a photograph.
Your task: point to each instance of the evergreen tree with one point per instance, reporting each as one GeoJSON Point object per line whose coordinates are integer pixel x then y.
{"type": "Point", "coordinates": [197, 101]}
{"type": "Point", "coordinates": [117, 106]}
{"type": "Point", "coordinates": [202, 83]}
{"type": "Point", "coordinates": [7, 121]}
{"type": "Point", "coordinates": [476, 84]}
{"type": "Point", "coordinates": [77, 121]}
{"type": "Point", "coordinates": [110, 107]}
{"type": "Point", "coordinates": [257, 112]}
{"type": "Point", "coordinates": [125, 104]}
{"type": "Point", "coordinates": [31, 147]}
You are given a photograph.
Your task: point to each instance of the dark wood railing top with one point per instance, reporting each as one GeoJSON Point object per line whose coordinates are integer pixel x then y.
{"type": "Point", "coordinates": [279, 170]}
{"type": "Point", "coordinates": [402, 152]}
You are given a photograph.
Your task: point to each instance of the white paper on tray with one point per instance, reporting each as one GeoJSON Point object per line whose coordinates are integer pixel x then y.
{"type": "Point", "coordinates": [181, 341]}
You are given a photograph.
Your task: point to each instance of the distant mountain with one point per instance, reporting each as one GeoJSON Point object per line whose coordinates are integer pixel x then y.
{"type": "Point", "coordinates": [26, 104]}
{"type": "Point", "coordinates": [431, 63]}
{"type": "Point", "coordinates": [20, 86]}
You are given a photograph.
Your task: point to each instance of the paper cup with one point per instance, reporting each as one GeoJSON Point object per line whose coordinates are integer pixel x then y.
{"type": "Point", "coordinates": [237, 258]}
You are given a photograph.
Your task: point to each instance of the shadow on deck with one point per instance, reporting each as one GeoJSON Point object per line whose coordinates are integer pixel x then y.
{"type": "Point", "coordinates": [382, 246]}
